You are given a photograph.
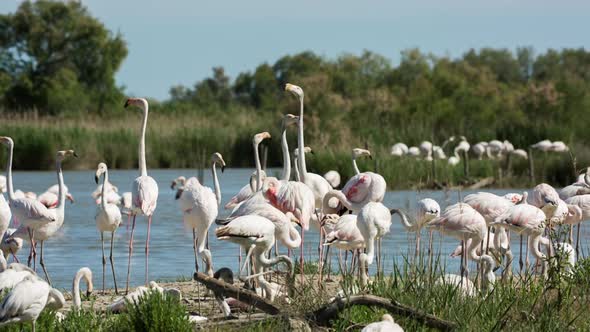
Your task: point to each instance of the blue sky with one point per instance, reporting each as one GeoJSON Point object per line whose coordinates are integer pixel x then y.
{"type": "Point", "coordinates": [179, 41]}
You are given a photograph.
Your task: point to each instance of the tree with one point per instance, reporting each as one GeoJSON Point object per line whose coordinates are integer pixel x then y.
{"type": "Point", "coordinates": [58, 57]}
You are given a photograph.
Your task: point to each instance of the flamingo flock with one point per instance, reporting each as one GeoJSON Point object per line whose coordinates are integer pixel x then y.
{"type": "Point", "coordinates": [461, 148]}
{"type": "Point", "coordinates": [268, 211]}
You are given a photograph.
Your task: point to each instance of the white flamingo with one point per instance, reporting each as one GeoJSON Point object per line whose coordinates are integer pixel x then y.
{"type": "Point", "coordinates": [200, 208]}
{"type": "Point", "coordinates": [144, 192]}
{"type": "Point", "coordinates": [86, 274]}
{"type": "Point", "coordinates": [45, 231]}
{"type": "Point", "coordinates": [11, 275]}
{"type": "Point", "coordinates": [364, 187]}
{"type": "Point", "coordinates": [29, 212]}
{"type": "Point", "coordinates": [413, 151]}
{"type": "Point", "coordinates": [333, 178]}
{"type": "Point", "coordinates": [480, 149]}
{"type": "Point", "coordinates": [246, 192]}
{"type": "Point", "coordinates": [374, 221]}
{"type": "Point", "coordinates": [120, 304]}
{"type": "Point", "coordinates": [385, 325]}
{"type": "Point", "coordinates": [544, 145]}
{"type": "Point", "coordinates": [257, 235]}
{"type": "Point", "coordinates": [307, 149]}
{"type": "Point", "coordinates": [399, 149]}
{"type": "Point", "coordinates": [318, 185]}
{"type": "Point", "coordinates": [108, 218]}
{"type": "Point", "coordinates": [25, 301]}
{"type": "Point", "coordinates": [426, 210]}
{"type": "Point", "coordinates": [5, 215]}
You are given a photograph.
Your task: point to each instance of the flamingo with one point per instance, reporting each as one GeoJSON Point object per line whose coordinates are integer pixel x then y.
{"type": "Point", "coordinates": [385, 325]}
{"type": "Point", "coordinates": [438, 153]}
{"type": "Point", "coordinates": [583, 203]}
{"type": "Point", "coordinates": [520, 153]}
{"type": "Point", "coordinates": [307, 149]}
{"type": "Point", "coordinates": [120, 304]}
{"type": "Point", "coordinates": [525, 219]}
{"type": "Point", "coordinates": [559, 146]}
{"type": "Point", "coordinates": [292, 196]}
{"type": "Point", "coordinates": [426, 150]}
{"type": "Point", "coordinates": [491, 206]}
{"type": "Point", "coordinates": [10, 244]}
{"type": "Point", "coordinates": [364, 187]}
{"type": "Point", "coordinates": [2, 183]}
{"type": "Point", "coordinates": [108, 218]}
{"type": "Point", "coordinates": [30, 212]}
{"type": "Point", "coordinates": [25, 301]}
{"type": "Point", "coordinates": [257, 234]}
{"type": "Point", "coordinates": [374, 221]}
{"type": "Point", "coordinates": [318, 185]}
{"type": "Point", "coordinates": [426, 210]}
{"type": "Point", "coordinates": [544, 145]}
{"type": "Point", "coordinates": [479, 149]}
{"type": "Point", "coordinates": [399, 149]}
{"type": "Point", "coordinates": [464, 285]}
{"type": "Point", "coordinates": [333, 178]}
{"type": "Point", "coordinates": [126, 203]}
{"type": "Point", "coordinates": [11, 275]}
{"type": "Point", "coordinates": [463, 222]}
{"type": "Point", "coordinates": [455, 159]}
{"type": "Point", "coordinates": [200, 207]}
{"type": "Point", "coordinates": [47, 230]}
{"type": "Point", "coordinates": [86, 274]}
{"type": "Point", "coordinates": [343, 233]}
{"type": "Point", "coordinates": [145, 191]}
{"type": "Point", "coordinates": [413, 151]}
{"type": "Point", "coordinates": [50, 197]}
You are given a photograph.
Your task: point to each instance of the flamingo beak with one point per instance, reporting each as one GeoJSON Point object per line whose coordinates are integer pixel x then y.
{"type": "Point", "coordinates": [75, 154]}
{"type": "Point", "coordinates": [127, 103]}
{"type": "Point", "coordinates": [178, 193]}
{"type": "Point", "coordinates": [96, 179]}
{"type": "Point", "coordinates": [173, 185]}
{"type": "Point", "coordinates": [222, 168]}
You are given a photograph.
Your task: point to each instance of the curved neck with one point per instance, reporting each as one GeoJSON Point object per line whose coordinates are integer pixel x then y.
{"type": "Point", "coordinates": [301, 144]}
{"type": "Point", "coordinates": [342, 198]}
{"type": "Point", "coordinates": [216, 184]}
{"type": "Point", "coordinates": [76, 288]}
{"type": "Point", "coordinates": [409, 225]}
{"type": "Point", "coordinates": [289, 236]}
{"type": "Point", "coordinates": [60, 184]}
{"type": "Point", "coordinates": [264, 261]}
{"type": "Point", "coordinates": [286, 158]}
{"type": "Point", "coordinates": [296, 169]}
{"type": "Point", "coordinates": [142, 163]}
{"type": "Point", "coordinates": [9, 186]}
{"type": "Point", "coordinates": [105, 180]}
{"type": "Point", "coordinates": [456, 153]}
{"type": "Point", "coordinates": [258, 168]}
{"type": "Point", "coordinates": [354, 166]}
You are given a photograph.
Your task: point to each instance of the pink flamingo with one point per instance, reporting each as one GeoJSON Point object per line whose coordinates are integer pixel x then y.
{"type": "Point", "coordinates": [343, 233]}
{"type": "Point", "coordinates": [364, 187]}
{"type": "Point", "coordinates": [144, 192]}
{"type": "Point", "coordinates": [426, 210]}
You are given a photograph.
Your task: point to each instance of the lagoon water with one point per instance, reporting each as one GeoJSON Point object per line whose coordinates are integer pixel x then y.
{"type": "Point", "coordinates": [171, 253]}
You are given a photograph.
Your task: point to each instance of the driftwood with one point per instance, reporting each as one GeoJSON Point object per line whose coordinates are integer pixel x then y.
{"type": "Point", "coordinates": [330, 311]}
{"type": "Point", "coordinates": [240, 294]}
{"type": "Point", "coordinates": [482, 183]}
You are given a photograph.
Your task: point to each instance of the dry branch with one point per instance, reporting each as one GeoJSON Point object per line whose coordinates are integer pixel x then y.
{"type": "Point", "coordinates": [330, 311]}
{"type": "Point", "coordinates": [240, 294]}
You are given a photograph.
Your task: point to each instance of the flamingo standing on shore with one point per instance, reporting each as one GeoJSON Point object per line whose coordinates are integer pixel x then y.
{"type": "Point", "coordinates": [25, 301]}
{"type": "Point", "coordinates": [343, 233]}
{"type": "Point", "coordinates": [318, 185]}
{"type": "Point", "coordinates": [200, 208]}
{"type": "Point", "coordinates": [144, 192]}
{"type": "Point", "coordinates": [108, 218]}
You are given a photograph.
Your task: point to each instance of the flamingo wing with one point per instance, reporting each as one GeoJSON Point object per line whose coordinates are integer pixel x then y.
{"type": "Point", "coordinates": [145, 194]}
{"type": "Point", "coordinates": [357, 188]}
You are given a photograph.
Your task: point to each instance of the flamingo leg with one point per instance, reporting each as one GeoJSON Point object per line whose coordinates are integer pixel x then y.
{"type": "Point", "coordinates": [329, 261]}
{"type": "Point", "coordinates": [104, 261]}
{"type": "Point", "coordinates": [346, 261]}
{"type": "Point", "coordinates": [462, 261]}
{"type": "Point", "coordinates": [31, 249]}
{"type": "Point", "coordinates": [430, 250]}
{"type": "Point", "coordinates": [42, 262]}
{"type": "Point", "coordinates": [147, 250]}
{"type": "Point", "coordinates": [417, 252]}
{"type": "Point", "coordinates": [195, 251]}
{"type": "Point", "coordinates": [520, 261]}
{"type": "Point", "coordinates": [14, 256]}
{"type": "Point", "coordinates": [248, 257]}
{"type": "Point", "coordinates": [571, 238]}
{"type": "Point", "coordinates": [378, 257]}
{"type": "Point", "coordinates": [128, 222]}
{"type": "Point", "coordinates": [342, 270]}
{"type": "Point", "coordinates": [113, 262]}
{"type": "Point", "coordinates": [301, 255]}
{"type": "Point", "coordinates": [578, 240]}
{"type": "Point", "coordinates": [130, 254]}
{"type": "Point", "coordinates": [321, 256]}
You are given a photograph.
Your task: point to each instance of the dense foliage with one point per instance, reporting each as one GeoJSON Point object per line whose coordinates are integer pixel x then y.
{"type": "Point", "coordinates": [55, 57]}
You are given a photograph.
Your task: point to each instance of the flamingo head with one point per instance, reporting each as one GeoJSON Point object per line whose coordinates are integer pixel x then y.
{"type": "Point", "coordinates": [61, 155]}
{"type": "Point", "coordinates": [100, 170]}
{"type": "Point", "coordinates": [290, 119]}
{"type": "Point", "coordinates": [306, 149]}
{"type": "Point", "coordinates": [139, 102]}
{"type": "Point", "coordinates": [179, 181]}
{"type": "Point", "coordinates": [6, 141]}
{"type": "Point", "coordinates": [294, 89]}
{"type": "Point", "coordinates": [356, 152]}
{"type": "Point", "coordinates": [261, 136]}
{"type": "Point", "coordinates": [217, 158]}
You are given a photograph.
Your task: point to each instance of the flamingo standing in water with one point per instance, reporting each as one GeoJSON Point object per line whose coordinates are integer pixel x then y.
{"type": "Point", "coordinates": [526, 219]}
{"type": "Point", "coordinates": [374, 221]}
{"type": "Point", "coordinates": [200, 207]}
{"type": "Point", "coordinates": [50, 197]}
{"type": "Point", "coordinates": [463, 222]}
{"type": "Point", "coordinates": [364, 187]}
{"type": "Point", "coordinates": [30, 212]}
{"type": "Point", "coordinates": [144, 192]}
{"type": "Point", "coordinates": [108, 218]}
{"type": "Point", "coordinates": [318, 185]}
{"type": "Point", "coordinates": [426, 210]}
{"type": "Point", "coordinates": [48, 230]}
